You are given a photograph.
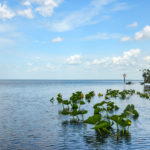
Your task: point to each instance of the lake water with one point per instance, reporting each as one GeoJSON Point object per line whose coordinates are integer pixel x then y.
{"type": "Point", "coordinates": [29, 121]}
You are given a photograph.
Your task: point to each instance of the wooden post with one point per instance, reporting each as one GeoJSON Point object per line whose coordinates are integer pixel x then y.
{"type": "Point", "coordinates": [124, 76]}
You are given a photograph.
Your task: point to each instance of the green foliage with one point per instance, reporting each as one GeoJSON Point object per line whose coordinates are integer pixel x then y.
{"type": "Point", "coordinates": [129, 83]}
{"type": "Point", "coordinates": [100, 95]}
{"type": "Point", "coordinates": [102, 118]}
{"type": "Point", "coordinates": [59, 98]}
{"type": "Point", "coordinates": [143, 95]}
{"type": "Point", "coordinates": [74, 106]}
{"type": "Point", "coordinates": [82, 112]}
{"type": "Point", "coordinates": [99, 104]}
{"type": "Point", "coordinates": [76, 96]}
{"type": "Point", "coordinates": [146, 75]}
{"type": "Point", "coordinates": [130, 111]}
{"type": "Point", "coordinates": [93, 119]}
{"type": "Point", "coordinates": [89, 95]}
{"type": "Point", "coordinates": [82, 102]}
{"type": "Point", "coordinates": [97, 110]}
{"type": "Point", "coordinates": [66, 102]}
{"type": "Point", "coordinates": [74, 113]}
{"type": "Point", "coordinates": [65, 112]}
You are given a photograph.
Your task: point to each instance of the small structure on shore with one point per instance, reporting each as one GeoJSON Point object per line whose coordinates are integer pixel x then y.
{"type": "Point", "coordinates": [124, 77]}
{"type": "Point", "coordinates": [147, 86]}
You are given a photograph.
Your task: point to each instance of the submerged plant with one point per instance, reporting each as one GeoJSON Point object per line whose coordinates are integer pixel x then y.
{"type": "Point", "coordinates": [65, 112]}
{"type": "Point", "coordinates": [125, 122]}
{"type": "Point", "coordinates": [82, 112]}
{"type": "Point", "coordinates": [103, 126]}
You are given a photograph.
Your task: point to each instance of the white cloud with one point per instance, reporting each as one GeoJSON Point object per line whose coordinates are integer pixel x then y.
{"type": "Point", "coordinates": [102, 61]}
{"type": "Point", "coordinates": [27, 3]}
{"type": "Point", "coordinates": [29, 64]}
{"type": "Point", "coordinates": [57, 39]}
{"type": "Point", "coordinates": [147, 59]}
{"type": "Point", "coordinates": [37, 58]}
{"type": "Point", "coordinates": [49, 66]}
{"type": "Point", "coordinates": [133, 25]}
{"type": "Point", "coordinates": [143, 35]}
{"type": "Point", "coordinates": [103, 36]}
{"type": "Point", "coordinates": [5, 12]}
{"type": "Point", "coordinates": [128, 58]}
{"type": "Point", "coordinates": [35, 69]}
{"type": "Point", "coordinates": [120, 6]}
{"type": "Point", "coordinates": [124, 39]}
{"type": "Point", "coordinates": [81, 17]}
{"type": "Point", "coordinates": [44, 7]}
{"type": "Point", "coordinates": [26, 13]}
{"type": "Point", "coordinates": [74, 60]}
{"type": "Point", "coordinates": [131, 53]}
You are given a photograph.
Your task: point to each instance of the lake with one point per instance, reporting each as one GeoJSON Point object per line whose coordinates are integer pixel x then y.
{"type": "Point", "coordinates": [29, 121]}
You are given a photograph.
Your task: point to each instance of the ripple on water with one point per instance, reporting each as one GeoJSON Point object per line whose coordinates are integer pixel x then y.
{"type": "Point", "coordinates": [29, 121]}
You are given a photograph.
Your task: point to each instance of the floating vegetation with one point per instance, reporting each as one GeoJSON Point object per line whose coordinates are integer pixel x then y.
{"type": "Point", "coordinates": [130, 111]}
{"type": "Point", "coordinates": [89, 95]}
{"type": "Point", "coordinates": [100, 95]}
{"type": "Point", "coordinates": [144, 95]}
{"type": "Point", "coordinates": [125, 94]}
{"type": "Point", "coordinates": [129, 83]}
{"type": "Point", "coordinates": [104, 118]}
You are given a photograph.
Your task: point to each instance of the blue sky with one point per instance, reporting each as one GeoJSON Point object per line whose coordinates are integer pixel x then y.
{"type": "Point", "coordinates": [74, 39]}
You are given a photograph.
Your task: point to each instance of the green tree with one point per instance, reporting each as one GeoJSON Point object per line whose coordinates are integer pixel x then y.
{"type": "Point", "coordinates": [146, 75]}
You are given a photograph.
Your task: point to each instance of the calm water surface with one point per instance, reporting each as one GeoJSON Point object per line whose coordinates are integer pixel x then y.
{"type": "Point", "coordinates": [29, 121]}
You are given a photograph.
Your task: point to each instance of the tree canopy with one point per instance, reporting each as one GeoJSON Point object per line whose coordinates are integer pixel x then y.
{"type": "Point", "coordinates": [146, 75]}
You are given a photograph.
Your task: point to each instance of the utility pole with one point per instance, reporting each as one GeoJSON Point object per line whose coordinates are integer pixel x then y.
{"type": "Point", "coordinates": [124, 77]}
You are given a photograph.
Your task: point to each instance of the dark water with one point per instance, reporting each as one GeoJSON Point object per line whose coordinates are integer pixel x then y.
{"type": "Point", "coordinates": [29, 121]}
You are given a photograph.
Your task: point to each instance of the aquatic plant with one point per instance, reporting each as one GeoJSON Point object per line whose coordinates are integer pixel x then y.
{"type": "Point", "coordinates": [59, 98]}
{"type": "Point", "coordinates": [129, 83]}
{"type": "Point", "coordinates": [81, 103]}
{"type": "Point", "coordinates": [74, 113]}
{"type": "Point", "coordinates": [112, 93]}
{"type": "Point", "coordinates": [100, 95]}
{"type": "Point", "coordinates": [130, 111]}
{"type": "Point", "coordinates": [89, 95]}
{"type": "Point", "coordinates": [124, 122]}
{"type": "Point", "coordinates": [103, 127]}
{"type": "Point", "coordinates": [102, 117]}
{"type": "Point", "coordinates": [93, 119]}
{"type": "Point", "coordinates": [143, 95]}
{"type": "Point", "coordinates": [65, 111]}
{"type": "Point", "coordinates": [76, 97]}
{"type": "Point", "coordinates": [82, 112]}
{"type": "Point", "coordinates": [66, 102]}
{"type": "Point", "coordinates": [52, 100]}
{"type": "Point", "coordinates": [121, 120]}
{"type": "Point", "coordinates": [121, 94]}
